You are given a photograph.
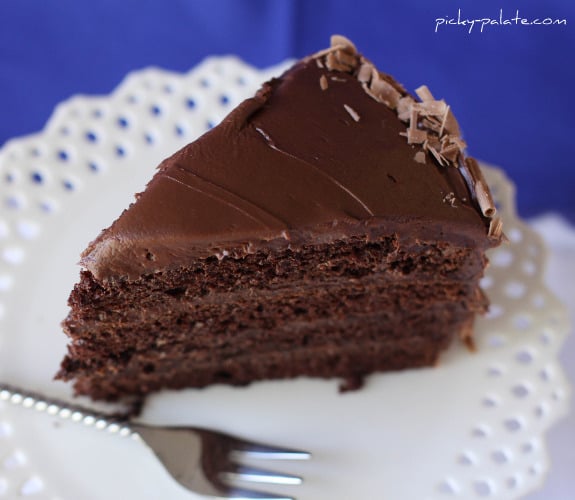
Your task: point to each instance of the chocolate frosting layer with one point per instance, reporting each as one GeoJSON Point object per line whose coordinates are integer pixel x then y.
{"type": "Point", "coordinates": [312, 155]}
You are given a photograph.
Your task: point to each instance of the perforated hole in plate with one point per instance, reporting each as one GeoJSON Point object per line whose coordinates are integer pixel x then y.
{"type": "Point", "coordinates": [557, 394]}
{"type": "Point", "coordinates": [525, 356]}
{"type": "Point", "coordinates": [10, 177]}
{"type": "Point", "coordinates": [514, 424]}
{"type": "Point", "coordinates": [97, 113]}
{"type": "Point", "coordinates": [502, 258]}
{"type": "Point", "coordinates": [527, 447]}
{"type": "Point", "coordinates": [63, 155]}
{"type": "Point", "coordinates": [467, 459]}
{"type": "Point", "coordinates": [13, 255]}
{"type": "Point", "coordinates": [95, 167]}
{"type": "Point", "coordinates": [515, 289]}
{"type": "Point", "coordinates": [528, 267]}
{"type": "Point", "coordinates": [14, 460]}
{"type": "Point", "coordinates": [491, 401]}
{"type": "Point", "coordinates": [3, 486]}
{"type": "Point", "coordinates": [542, 410]}
{"type": "Point", "coordinates": [120, 151]}
{"type": "Point", "coordinates": [523, 321]}
{"type": "Point", "coordinates": [483, 487]}
{"type": "Point", "coordinates": [123, 122]}
{"type": "Point", "coordinates": [521, 390]}
{"type": "Point", "coordinates": [69, 185]}
{"type": "Point", "coordinates": [495, 371]}
{"type": "Point", "coordinates": [32, 486]}
{"type": "Point", "coordinates": [91, 136]}
{"type": "Point", "coordinates": [494, 311]}
{"type": "Point", "coordinates": [448, 487]}
{"type": "Point", "coordinates": [38, 177]}
{"type": "Point", "coordinates": [6, 282]}
{"type": "Point", "coordinates": [496, 341]}
{"type": "Point", "coordinates": [179, 130]}
{"type": "Point", "coordinates": [514, 234]}
{"type": "Point", "coordinates": [27, 230]}
{"type": "Point", "coordinates": [513, 482]}
{"type": "Point", "coordinates": [538, 300]}
{"type": "Point", "coordinates": [5, 429]}
{"type": "Point", "coordinates": [481, 431]}
{"type": "Point", "coordinates": [486, 282]}
{"type": "Point", "coordinates": [501, 456]}
{"type": "Point", "coordinates": [15, 202]}
{"type": "Point", "coordinates": [48, 206]}
{"type": "Point", "coordinates": [534, 469]}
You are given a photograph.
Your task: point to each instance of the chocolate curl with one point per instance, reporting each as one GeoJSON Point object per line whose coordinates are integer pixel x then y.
{"type": "Point", "coordinates": [482, 193]}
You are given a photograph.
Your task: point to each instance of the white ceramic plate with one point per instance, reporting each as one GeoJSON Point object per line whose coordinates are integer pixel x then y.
{"type": "Point", "coordinates": [472, 427]}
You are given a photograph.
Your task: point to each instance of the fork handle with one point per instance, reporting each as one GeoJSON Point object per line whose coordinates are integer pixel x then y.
{"type": "Point", "coordinates": [90, 418]}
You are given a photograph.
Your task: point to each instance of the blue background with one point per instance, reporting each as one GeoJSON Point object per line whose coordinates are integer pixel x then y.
{"type": "Point", "coordinates": [512, 88]}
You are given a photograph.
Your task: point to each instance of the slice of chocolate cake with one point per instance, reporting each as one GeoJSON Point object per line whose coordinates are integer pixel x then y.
{"type": "Point", "coordinates": [330, 226]}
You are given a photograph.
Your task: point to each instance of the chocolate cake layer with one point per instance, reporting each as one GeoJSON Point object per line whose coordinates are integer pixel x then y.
{"type": "Point", "coordinates": [331, 226]}
{"type": "Point", "coordinates": [264, 313]}
{"type": "Point", "coordinates": [337, 355]}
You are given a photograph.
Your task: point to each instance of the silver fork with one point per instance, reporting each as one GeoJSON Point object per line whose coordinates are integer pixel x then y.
{"type": "Point", "coordinates": [203, 461]}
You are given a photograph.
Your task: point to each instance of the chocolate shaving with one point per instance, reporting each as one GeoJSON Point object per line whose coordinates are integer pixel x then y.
{"type": "Point", "coordinates": [369, 92]}
{"type": "Point", "coordinates": [440, 159]}
{"type": "Point", "coordinates": [332, 63]}
{"type": "Point", "coordinates": [451, 125]}
{"type": "Point", "coordinates": [323, 82]}
{"type": "Point", "coordinates": [364, 73]}
{"type": "Point", "coordinates": [404, 108]}
{"type": "Point", "coordinates": [416, 136]}
{"type": "Point", "coordinates": [450, 198]}
{"type": "Point", "coordinates": [342, 41]}
{"type": "Point", "coordinates": [424, 94]}
{"type": "Point", "coordinates": [352, 112]}
{"type": "Point", "coordinates": [346, 59]}
{"type": "Point", "coordinates": [450, 152]}
{"type": "Point", "coordinates": [484, 199]}
{"type": "Point", "coordinates": [431, 108]}
{"type": "Point", "coordinates": [431, 123]}
{"type": "Point", "coordinates": [482, 193]}
{"type": "Point", "coordinates": [419, 157]}
{"type": "Point", "coordinates": [385, 91]}
{"type": "Point", "coordinates": [495, 228]}
{"type": "Point", "coordinates": [444, 121]}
